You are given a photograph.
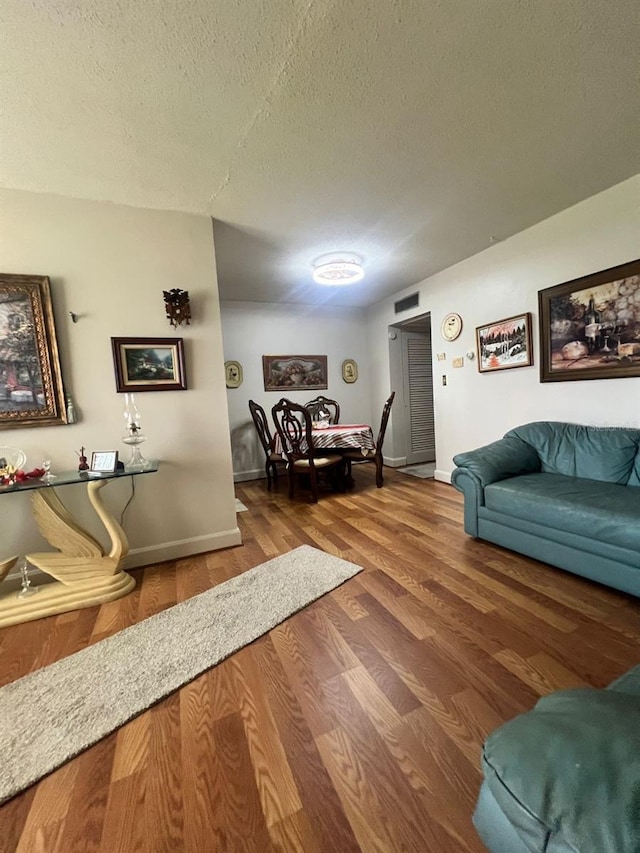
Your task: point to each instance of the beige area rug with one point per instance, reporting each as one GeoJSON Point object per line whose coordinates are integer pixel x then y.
{"type": "Point", "coordinates": [51, 715]}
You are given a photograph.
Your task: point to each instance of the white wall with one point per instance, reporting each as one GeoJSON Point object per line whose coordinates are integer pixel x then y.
{"type": "Point", "coordinates": [109, 264]}
{"type": "Point", "coordinates": [254, 329]}
{"type": "Point", "coordinates": [474, 409]}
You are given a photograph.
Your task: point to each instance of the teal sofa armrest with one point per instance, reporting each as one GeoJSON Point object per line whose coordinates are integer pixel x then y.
{"type": "Point", "coordinates": [508, 457]}
{"type": "Point", "coordinates": [476, 469]}
{"type": "Point", "coordinates": [569, 771]}
{"type": "Point", "coordinates": [469, 484]}
{"type": "Point", "coordinates": [565, 776]}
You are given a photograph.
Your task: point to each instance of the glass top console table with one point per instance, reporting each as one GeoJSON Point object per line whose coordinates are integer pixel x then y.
{"type": "Point", "coordinates": [84, 574]}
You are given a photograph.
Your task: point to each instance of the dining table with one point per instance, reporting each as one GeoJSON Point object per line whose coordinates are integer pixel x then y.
{"type": "Point", "coordinates": [339, 437]}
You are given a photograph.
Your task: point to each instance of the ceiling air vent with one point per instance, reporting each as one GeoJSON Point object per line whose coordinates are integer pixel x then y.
{"type": "Point", "coordinates": [406, 303]}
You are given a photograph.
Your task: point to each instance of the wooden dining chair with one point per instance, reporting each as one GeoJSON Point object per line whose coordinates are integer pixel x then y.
{"type": "Point", "coordinates": [351, 456]}
{"type": "Point", "coordinates": [320, 404]}
{"type": "Point", "coordinates": [293, 423]}
{"type": "Point", "coordinates": [272, 459]}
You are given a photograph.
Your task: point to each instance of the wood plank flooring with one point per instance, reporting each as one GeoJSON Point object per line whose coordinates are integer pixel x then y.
{"type": "Point", "coordinates": [357, 724]}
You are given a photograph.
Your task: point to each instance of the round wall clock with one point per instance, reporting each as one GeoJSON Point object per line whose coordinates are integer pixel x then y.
{"type": "Point", "coordinates": [451, 327]}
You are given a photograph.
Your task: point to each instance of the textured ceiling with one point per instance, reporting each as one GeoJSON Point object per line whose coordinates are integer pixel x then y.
{"type": "Point", "coordinates": [413, 132]}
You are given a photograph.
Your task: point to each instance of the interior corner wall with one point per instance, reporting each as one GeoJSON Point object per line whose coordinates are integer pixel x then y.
{"type": "Point", "coordinates": [253, 329]}
{"type": "Point", "coordinates": [109, 264]}
{"type": "Point", "coordinates": [473, 408]}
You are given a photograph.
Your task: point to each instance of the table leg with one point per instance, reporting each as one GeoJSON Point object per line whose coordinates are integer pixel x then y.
{"type": "Point", "coordinates": [84, 574]}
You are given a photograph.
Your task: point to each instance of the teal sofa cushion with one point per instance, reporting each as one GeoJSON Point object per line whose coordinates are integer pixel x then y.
{"type": "Point", "coordinates": [596, 453]}
{"type": "Point", "coordinates": [634, 479]}
{"type": "Point", "coordinates": [507, 457]}
{"type": "Point", "coordinates": [570, 771]}
{"type": "Point", "coordinates": [594, 509]}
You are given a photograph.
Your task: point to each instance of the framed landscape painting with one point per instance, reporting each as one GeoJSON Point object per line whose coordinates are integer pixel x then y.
{"type": "Point", "coordinates": [505, 344]}
{"type": "Point", "coordinates": [149, 364]}
{"type": "Point", "coordinates": [590, 327]}
{"type": "Point", "coordinates": [294, 372]}
{"type": "Point", "coordinates": [31, 390]}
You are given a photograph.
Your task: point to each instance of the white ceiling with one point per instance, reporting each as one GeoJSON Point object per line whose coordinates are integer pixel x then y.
{"type": "Point", "coordinates": [413, 132]}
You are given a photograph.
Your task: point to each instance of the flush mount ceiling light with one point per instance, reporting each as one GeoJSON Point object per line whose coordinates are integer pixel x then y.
{"type": "Point", "coordinates": [338, 269]}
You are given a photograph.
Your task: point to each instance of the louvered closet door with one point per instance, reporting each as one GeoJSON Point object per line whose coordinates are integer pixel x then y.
{"type": "Point", "coordinates": [418, 394]}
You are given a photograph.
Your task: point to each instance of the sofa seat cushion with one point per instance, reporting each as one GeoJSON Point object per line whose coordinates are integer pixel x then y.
{"type": "Point", "coordinates": [596, 510]}
{"type": "Point", "coordinates": [567, 774]}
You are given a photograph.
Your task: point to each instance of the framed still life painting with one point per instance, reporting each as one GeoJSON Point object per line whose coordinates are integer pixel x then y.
{"type": "Point", "coordinates": [590, 327]}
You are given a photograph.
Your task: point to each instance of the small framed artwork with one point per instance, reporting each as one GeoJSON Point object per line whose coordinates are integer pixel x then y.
{"type": "Point", "coordinates": [294, 372]}
{"type": "Point", "coordinates": [104, 462]}
{"type": "Point", "coordinates": [590, 327]}
{"type": "Point", "coordinates": [31, 391]}
{"type": "Point", "coordinates": [349, 370]}
{"type": "Point", "coordinates": [505, 344]}
{"type": "Point", "coordinates": [233, 374]}
{"type": "Point", "coordinates": [149, 364]}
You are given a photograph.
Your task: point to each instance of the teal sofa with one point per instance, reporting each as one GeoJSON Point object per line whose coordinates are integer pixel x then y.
{"type": "Point", "coordinates": [565, 494]}
{"type": "Point", "coordinates": [565, 777]}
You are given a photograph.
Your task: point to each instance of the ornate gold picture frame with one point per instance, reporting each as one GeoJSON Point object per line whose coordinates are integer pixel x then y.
{"type": "Point", "coordinates": [233, 373]}
{"type": "Point", "coordinates": [349, 371]}
{"type": "Point", "coordinates": [31, 389]}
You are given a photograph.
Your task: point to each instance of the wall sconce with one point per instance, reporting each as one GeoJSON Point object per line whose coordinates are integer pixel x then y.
{"type": "Point", "coordinates": [177, 306]}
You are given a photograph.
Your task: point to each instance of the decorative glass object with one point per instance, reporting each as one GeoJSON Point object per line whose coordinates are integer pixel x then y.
{"type": "Point", "coordinates": [134, 436]}
{"type": "Point", "coordinates": [27, 588]}
{"type": "Point", "coordinates": [48, 476]}
{"type": "Point", "coordinates": [12, 461]}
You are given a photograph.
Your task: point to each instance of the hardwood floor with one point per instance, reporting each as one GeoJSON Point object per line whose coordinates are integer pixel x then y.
{"type": "Point", "coordinates": [357, 724]}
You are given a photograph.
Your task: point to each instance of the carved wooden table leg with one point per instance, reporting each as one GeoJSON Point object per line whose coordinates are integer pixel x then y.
{"type": "Point", "coordinates": [84, 574]}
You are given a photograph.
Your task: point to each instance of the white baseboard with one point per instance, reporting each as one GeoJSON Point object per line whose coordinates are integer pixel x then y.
{"type": "Point", "coordinates": [442, 476]}
{"type": "Point", "coordinates": [243, 476]}
{"type": "Point", "coordinates": [181, 548]}
{"type": "Point", "coordinates": [395, 462]}
{"type": "Point", "coordinates": [138, 557]}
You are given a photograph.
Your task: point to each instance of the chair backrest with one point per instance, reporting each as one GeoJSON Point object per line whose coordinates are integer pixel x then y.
{"type": "Point", "coordinates": [386, 411]}
{"type": "Point", "coordinates": [262, 425]}
{"type": "Point", "coordinates": [293, 423]}
{"type": "Point", "coordinates": [320, 404]}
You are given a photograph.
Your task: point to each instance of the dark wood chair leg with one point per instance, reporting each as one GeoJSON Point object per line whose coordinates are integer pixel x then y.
{"type": "Point", "coordinates": [314, 485]}
{"type": "Point", "coordinates": [267, 468]}
{"type": "Point", "coordinates": [379, 477]}
{"type": "Point", "coordinates": [342, 475]}
{"type": "Point", "coordinates": [291, 479]}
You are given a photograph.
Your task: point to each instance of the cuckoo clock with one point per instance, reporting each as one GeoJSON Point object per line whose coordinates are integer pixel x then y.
{"type": "Point", "coordinates": [177, 306]}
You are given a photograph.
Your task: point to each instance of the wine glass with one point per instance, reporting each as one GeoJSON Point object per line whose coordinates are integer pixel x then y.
{"type": "Point", "coordinates": [26, 589]}
{"type": "Point", "coordinates": [48, 477]}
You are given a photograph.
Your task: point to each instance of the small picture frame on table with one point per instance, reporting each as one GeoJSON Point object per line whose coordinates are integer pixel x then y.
{"type": "Point", "coordinates": [103, 462]}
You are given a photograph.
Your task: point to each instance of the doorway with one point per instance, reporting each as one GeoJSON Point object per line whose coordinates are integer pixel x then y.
{"type": "Point", "coordinates": [417, 432]}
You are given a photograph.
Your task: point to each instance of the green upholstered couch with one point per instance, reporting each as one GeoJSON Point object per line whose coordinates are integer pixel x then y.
{"type": "Point", "coordinates": [566, 494]}
{"type": "Point", "coordinates": [565, 777]}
